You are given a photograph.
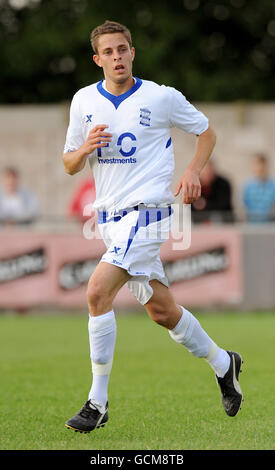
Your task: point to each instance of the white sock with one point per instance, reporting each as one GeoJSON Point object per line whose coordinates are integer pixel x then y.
{"type": "Point", "coordinates": [102, 336]}
{"type": "Point", "coordinates": [220, 362]}
{"type": "Point", "coordinates": [99, 389]}
{"type": "Point", "coordinates": [190, 334]}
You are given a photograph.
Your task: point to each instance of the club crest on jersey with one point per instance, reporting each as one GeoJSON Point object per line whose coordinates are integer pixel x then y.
{"type": "Point", "coordinates": [145, 117]}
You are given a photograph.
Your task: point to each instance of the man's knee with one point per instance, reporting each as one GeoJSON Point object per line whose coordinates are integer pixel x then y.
{"type": "Point", "coordinates": [158, 313]}
{"type": "Point", "coordinates": [98, 298]}
{"type": "Point", "coordinates": [93, 294]}
{"type": "Point", "coordinates": [103, 286]}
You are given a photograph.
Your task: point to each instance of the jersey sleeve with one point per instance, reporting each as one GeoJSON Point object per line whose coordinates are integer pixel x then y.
{"type": "Point", "coordinates": [184, 115]}
{"type": "Point", "coordinates": [74, 137]}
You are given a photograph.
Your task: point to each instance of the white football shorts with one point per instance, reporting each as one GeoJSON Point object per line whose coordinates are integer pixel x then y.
{"type": "Point", "coordinates": [133, 238]}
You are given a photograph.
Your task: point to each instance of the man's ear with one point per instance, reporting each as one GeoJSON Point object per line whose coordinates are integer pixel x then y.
{"type": "Point", "coordinates": [96, 59]}
{"type": "Point", "coordinates": [133, 52]}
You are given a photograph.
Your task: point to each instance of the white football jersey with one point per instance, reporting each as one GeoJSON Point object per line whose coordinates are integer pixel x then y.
{"type": "Point", "coordinates": [138, 165]}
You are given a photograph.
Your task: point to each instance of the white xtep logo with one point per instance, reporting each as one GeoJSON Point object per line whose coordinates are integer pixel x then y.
{"type": "Point", "coordinates": [100, 419]}
{"type": "Point", "coordinates": [101, 410]}
{"type": "Point", "coordinates": [235, 381]}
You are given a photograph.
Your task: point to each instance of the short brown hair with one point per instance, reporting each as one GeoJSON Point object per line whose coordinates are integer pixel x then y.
{"type": "Point", "coordinates": [109, 27]}
{"type": "Point", "coordinates": [11, 170]}
{"type": "Point", "coordinates": [261, 157]}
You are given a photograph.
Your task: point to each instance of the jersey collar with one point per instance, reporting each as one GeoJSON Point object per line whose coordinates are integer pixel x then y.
{"type": "Point", "coordinates": [116, 100]}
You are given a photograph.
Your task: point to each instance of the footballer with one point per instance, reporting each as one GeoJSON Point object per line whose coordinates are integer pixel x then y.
{"type": "Point", "coordinates": [122, 126]}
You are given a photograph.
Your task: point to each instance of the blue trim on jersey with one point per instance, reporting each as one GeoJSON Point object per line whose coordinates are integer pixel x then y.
{"type": "Point", "coordinates": [117, 100]}
{"type": "Point", "coordinates": [169, 142]}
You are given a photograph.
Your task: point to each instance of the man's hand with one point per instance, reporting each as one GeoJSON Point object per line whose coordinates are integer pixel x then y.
{"type": "Point", "coordinates": [190, 186]}
{"type": "Point", "coordinates": [190, 181]}
{"type": "Point", "coordinates": [75, 161]}
{"type": "Point", "coordinates": [97, 138]}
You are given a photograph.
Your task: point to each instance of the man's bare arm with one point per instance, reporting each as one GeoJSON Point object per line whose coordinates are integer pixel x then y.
{"type": "Point", "coordinates": [190, 181]}
{"type": "Point", "coordinates": [97, 138]}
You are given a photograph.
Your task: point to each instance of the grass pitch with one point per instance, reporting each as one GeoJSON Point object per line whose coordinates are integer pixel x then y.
{"type": "Point", "coordinates": [160, 396]}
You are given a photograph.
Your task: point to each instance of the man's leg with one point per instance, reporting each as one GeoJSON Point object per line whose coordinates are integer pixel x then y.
{"type": "Point", "coordinates": [103, 286]}
{"type": "Point", "coordinates": [185, 329]}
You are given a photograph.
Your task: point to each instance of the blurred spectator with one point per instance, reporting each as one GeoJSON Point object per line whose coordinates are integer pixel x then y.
{"type": "Point", "coordinates": [82, 198]}
{"type": "Point", "coordinates": [17, 204]}
{"type": "Point", "coordinates": [259, 192]}
{"type": "Point", "coordinates": [214, 205]}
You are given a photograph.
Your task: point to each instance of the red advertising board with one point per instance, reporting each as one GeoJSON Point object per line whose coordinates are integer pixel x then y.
{"type": "Point", "coordinates": [53, 269]}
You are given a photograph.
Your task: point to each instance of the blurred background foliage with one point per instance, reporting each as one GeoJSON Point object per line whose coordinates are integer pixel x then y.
{"type": "Point", "coordinates": [212, 50]}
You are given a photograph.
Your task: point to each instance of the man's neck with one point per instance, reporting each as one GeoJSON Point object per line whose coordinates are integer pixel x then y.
{"type": "Point", "coordinates": [262, 178]}
{"type": "Point", "coordinates": [119, 88]}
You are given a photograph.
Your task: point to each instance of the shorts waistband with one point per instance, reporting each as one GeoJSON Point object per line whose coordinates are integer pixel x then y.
{"type": "Point", "coordinates": [158, 213]}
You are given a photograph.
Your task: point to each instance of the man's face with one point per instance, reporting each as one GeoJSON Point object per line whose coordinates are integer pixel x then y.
{"type": "Point", "coordinates": [115, 56]}
{"type": "Point", "coordinates": [260, 169]}
{"type": "Point", "coordinates": [10, 182]}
